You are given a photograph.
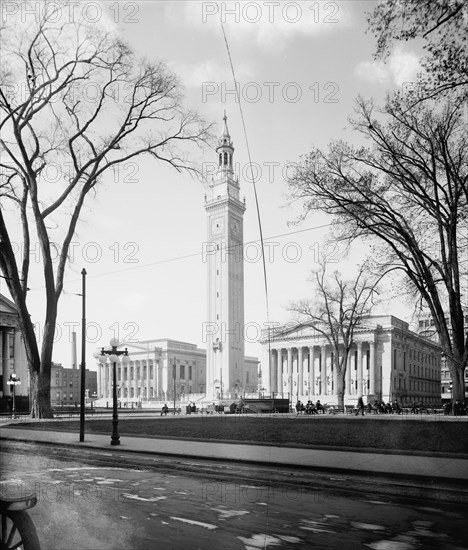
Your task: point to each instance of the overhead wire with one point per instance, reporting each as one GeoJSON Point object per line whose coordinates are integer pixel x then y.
{"type": "Point", "coordinates": [185, 256]}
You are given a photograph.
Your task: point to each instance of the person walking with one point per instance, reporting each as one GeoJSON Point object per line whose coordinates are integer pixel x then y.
{"type": "Point", "coordinates": [360, 407]}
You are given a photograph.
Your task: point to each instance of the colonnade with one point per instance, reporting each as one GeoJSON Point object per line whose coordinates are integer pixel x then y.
{"type": "Point", "coordinates": [139, 378]}
{"type": "Point", "coordinates": [306, 371]}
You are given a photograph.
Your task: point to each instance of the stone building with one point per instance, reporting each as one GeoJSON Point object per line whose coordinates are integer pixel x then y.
{"type": "Point", "coordinates": [12, 352]}
{"type": "Point", "coordinates": [387, 361]}
{"type": "Point", "coordinates": [158, 367]}
{"type": "Point", "coordinates": [426, 328]}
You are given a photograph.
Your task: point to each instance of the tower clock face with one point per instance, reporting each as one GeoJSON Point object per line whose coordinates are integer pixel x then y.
{"type": "Point", "coordinates": [217, 226]}
{"type": "Point", "coordinates": [235, 226]}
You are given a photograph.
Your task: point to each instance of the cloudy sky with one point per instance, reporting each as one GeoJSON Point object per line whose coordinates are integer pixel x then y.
{"type": "Point", "coordinates": [300, 65]}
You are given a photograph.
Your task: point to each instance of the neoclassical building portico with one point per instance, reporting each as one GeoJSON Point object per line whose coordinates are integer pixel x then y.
{"type": "Point", "coordinates": [387, 361]}
{"type": "Point", "coordinates": [12, 351]}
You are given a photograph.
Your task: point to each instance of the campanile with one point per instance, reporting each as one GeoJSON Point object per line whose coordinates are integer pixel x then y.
{"type": "Point", "coordinates": [225, 355]}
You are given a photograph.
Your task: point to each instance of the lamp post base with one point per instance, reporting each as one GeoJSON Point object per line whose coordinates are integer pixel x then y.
{"type": "Point", "coordinates": [115, 441]}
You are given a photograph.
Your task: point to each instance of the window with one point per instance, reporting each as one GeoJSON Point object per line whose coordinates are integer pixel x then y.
{"type": "Point", "coordinates": [247, 377]}
{"type": "Point", "coordinates": [182, 372]}
{"type": "Point", "coordinates": [190, 372]}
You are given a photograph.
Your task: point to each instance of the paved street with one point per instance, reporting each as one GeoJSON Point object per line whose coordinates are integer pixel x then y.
{"type": "Point", "coordinates": [90, 500]}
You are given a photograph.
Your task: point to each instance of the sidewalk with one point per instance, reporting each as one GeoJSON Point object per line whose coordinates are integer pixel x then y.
{"type": "Point", "coordinates": [442, 467]}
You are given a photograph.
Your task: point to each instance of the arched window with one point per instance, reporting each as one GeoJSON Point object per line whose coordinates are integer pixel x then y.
{"type": "Point", "coordinates": [220, 158]}
{"type": "Point", "coordinates": [225, 159]}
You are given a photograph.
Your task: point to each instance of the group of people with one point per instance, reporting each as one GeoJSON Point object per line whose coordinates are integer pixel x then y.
{"type": "Point", "coordinates": [309, 408]}
{"type": "Point", "coordinates": [380, 407]}
{"type": "Point", "coordinates": [459, 408]}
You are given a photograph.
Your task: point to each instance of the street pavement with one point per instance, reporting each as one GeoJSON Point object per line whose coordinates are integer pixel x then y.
{"type": "Point", "coordinates": [429, 465]}
{"type": "Point", "coordinates": [93, 499]}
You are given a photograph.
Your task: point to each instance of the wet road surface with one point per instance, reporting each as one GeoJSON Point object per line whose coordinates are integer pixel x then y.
{"type": "Point", "coordinates": [98, 500]}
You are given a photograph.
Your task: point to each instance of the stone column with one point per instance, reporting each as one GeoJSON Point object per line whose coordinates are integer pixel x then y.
{"type": "Point", "coordinates": [280, 371]}
{"type": "Point", "coordinates": [323, 359]}
{"type": "Point", "coordinates": [273, 372]}
{"type": "Point", "coordinates": [372, 368]}
{"type": "Point", "coordinates": [290, 373]}
{"type": "Point", "coordinates": [348, 375]}
{"type": "Point", "coordinates": [335, 379]}
{"type": "Point", "coordinates": [300, 374]}
{"type": "Point", "coordinates": [148, 378]}
{"type": "Point", "coordinates": [156, 378]}
{"type": "Point", "coordinates": [311, 371]}
{"type": "Point", "coordinates": [359, 369]}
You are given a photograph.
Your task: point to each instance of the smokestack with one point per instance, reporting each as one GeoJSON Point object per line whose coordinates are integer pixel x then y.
{"type": "Point", "coordinates": [73, 351]}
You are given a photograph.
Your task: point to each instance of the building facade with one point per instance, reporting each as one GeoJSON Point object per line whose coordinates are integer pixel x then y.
{"type": "Point", "coordinates": [160, 369]}
{"type": "Point", "coordinates": [426, 328]}
{"type": "Point", "coordinates": [387, 362]}
{"type": "Point", "coordinates": [65, 385]}
{"type": "Point", "coordinates": [12, 352]}
{"type": "Point", "coordinates": [226, 369]}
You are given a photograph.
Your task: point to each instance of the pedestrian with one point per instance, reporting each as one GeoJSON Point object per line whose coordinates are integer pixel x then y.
{"type": "Point", "coordinates": [360, 406]}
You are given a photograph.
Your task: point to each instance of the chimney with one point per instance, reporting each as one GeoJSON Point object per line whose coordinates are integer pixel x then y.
{"type": "Point", "coordinates": [73, 351]}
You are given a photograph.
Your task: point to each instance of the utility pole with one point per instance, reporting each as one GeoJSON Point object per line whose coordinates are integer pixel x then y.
{"type": "Point", "coordinates": [83, 355]}
{"type": "Point", "coordinates": [174, 380]}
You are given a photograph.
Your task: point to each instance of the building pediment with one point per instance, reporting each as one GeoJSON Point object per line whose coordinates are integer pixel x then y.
{"type": "Point", "coordinates": [7, 306]}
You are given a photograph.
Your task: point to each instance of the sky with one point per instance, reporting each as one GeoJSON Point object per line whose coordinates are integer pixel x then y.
{"type": "Point", "coordinates": [300, 66]}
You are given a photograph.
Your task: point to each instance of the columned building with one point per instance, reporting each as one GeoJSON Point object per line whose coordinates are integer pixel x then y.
{"type": "Point", "coordinates": [226, 368]}
{"type": "Point", "coordinates": [158, 368]}
{"type": "Point", "coordinates": [12, 352]}
{"type": "Point", "coordinates": [387, 361]}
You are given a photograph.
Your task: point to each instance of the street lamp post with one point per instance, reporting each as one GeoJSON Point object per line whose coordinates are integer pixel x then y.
{"type": "Point", "coordinates": [114, 355]}
{"type": "Point", "coordinates": [83, 355]}
{"type": "Point", "coordinates": [13, 381]}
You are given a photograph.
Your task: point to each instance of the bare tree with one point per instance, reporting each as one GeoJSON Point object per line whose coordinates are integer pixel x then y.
{"type": "Point", "coordinates": [77, 97]}
{"type": "Point", "coordinates": [336, 311]}
{"type": "Point", "coordinates": [441, 25]}
{"type": "Point", "coordinates": [409, 194]}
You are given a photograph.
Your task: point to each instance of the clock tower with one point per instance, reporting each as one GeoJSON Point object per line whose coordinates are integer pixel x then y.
{"type": "Point", "coordinates": [225, 356]}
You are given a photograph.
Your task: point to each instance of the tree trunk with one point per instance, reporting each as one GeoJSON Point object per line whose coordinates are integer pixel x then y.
{"type": "Point", "coordinates": [340, 388]}
{"type": "Point", "coordinates": [457, 372]}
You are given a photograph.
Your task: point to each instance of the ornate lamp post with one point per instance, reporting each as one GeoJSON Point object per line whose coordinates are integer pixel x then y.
{"type": "Point", "coordinates": [114, 355]}
{"type": "Point", "coordinates": [13, 381]}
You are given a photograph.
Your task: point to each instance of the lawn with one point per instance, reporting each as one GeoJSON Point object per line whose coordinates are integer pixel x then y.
{"type": "Point", "coordinates": [368, 433]}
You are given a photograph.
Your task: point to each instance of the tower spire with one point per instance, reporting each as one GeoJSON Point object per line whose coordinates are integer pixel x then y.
{"type": "Point", "coordinates": [225, 147]}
